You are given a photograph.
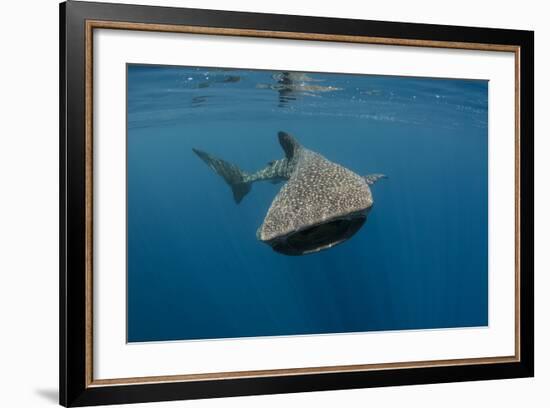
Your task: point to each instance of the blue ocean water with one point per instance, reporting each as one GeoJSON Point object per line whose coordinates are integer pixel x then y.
{"type": "Point", "coordinates": [195, 267]}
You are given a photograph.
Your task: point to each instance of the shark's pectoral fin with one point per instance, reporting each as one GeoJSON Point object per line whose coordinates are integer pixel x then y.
{"type": "Point", "coordinates": [235, 177]}
{"type": "Point", "coordinates": [373, 178]}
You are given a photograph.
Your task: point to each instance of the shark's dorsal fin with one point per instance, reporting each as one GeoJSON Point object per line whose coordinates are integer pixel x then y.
{"type": "Point", "coordinates": [289, 144]}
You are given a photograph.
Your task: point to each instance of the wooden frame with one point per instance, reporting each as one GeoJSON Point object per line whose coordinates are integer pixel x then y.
{"type": "Point", "coordinates": [77, 384]}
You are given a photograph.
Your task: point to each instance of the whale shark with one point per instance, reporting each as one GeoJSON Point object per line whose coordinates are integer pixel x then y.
{"type": "Point", "coordinates": [321, 204]}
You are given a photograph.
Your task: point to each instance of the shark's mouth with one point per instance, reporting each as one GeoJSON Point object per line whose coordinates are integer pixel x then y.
{"type": "Point", "coordinates": [320, 236]}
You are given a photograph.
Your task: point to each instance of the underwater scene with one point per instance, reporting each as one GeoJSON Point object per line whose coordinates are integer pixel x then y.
{"type": "Point", "coordinates": [269, 203]}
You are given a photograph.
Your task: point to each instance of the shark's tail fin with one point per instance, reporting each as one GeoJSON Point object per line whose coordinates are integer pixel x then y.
{"type": "Point", "coordinates": [232, 175]}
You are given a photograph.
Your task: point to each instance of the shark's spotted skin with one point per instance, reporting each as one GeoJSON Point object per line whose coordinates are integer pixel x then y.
{"type": "Point", "coordinates": [322, 204]}
{"type": "Point", "coordinates": [277, 170]}
{"type": "Point", "coordinates": [318, 190]}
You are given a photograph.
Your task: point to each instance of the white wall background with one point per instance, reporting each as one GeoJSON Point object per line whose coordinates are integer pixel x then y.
{"type": "Point", "coordinates": [29, 202]}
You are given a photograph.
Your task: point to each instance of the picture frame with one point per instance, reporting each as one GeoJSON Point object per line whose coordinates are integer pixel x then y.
{"type": "Point", "coordinates": [79, 23]}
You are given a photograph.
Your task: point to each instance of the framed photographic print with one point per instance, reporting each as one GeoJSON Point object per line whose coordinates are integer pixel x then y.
{"type": "Point", "coordinates": [256, 203]}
